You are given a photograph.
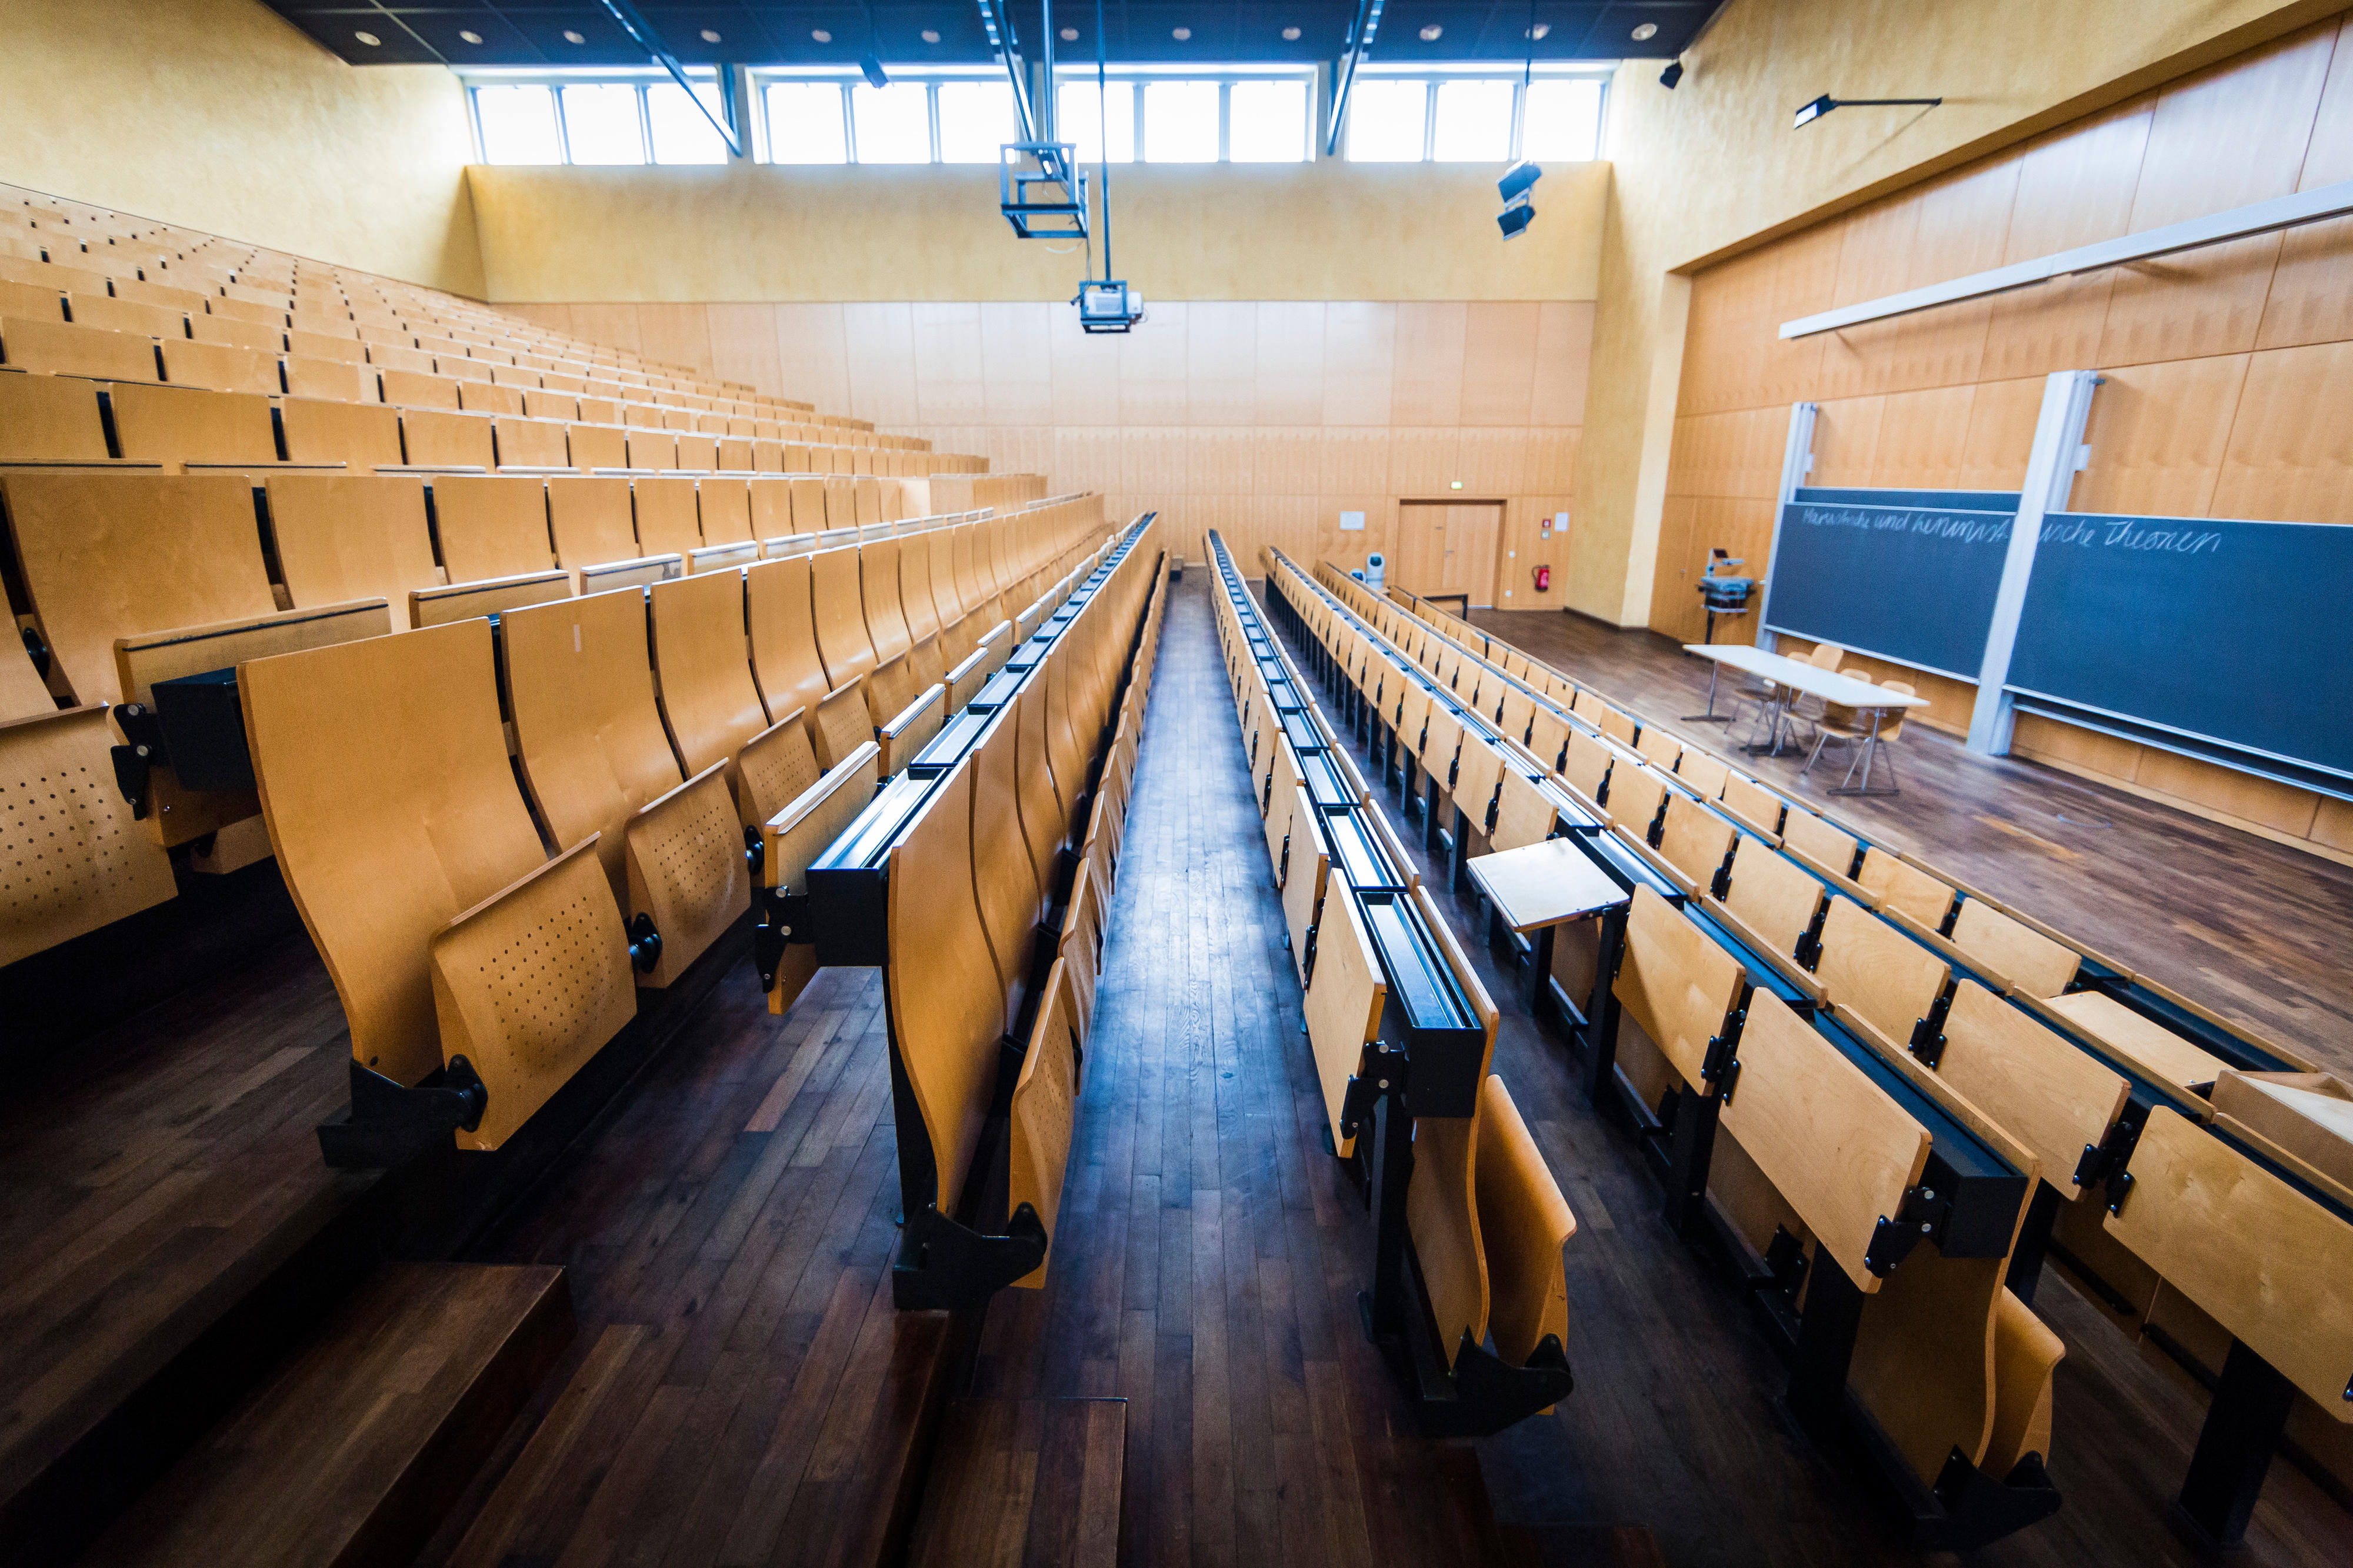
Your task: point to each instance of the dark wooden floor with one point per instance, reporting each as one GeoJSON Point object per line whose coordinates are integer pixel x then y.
{"type": "Point", "coordinates": [2256, 930]}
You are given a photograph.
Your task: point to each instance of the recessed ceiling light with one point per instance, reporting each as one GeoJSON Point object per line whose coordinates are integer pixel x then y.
{"type": "Point", "coordinates": [1180, 34]}
{"type": "Point", "coordinates": [1290, 34]}
{"type": "Point", "coordinates": [820, 35]}
{"type": "Point", "coordinates": [709, 36]}
{"type": "Point", "coordinates": [572, 38]}
{"type": "Point", "coordinates": [471, 36]}
{"type": "Point", "coordinates": [1070, 35]}
{"type": "Point", "coordinates": [930, 36]}
{"type": "Point", "coordinates": [1540, 29]}
{"type": "Point", "coordinates": [370, 40]}
{"type": "Point", "coordinates": [1646, 32]}
{"type": "Point", "coordinates": [1430, 34]}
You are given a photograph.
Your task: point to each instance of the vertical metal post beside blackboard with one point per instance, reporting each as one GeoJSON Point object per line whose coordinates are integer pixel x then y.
{"type": "Point", "coordinates": [2057, 455]}
{"type": "Point", "coordinates": [1797, 462]}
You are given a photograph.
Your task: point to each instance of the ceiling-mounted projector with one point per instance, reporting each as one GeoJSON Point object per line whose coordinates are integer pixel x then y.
{"type": "Point", "coordinates": [1108, 305]}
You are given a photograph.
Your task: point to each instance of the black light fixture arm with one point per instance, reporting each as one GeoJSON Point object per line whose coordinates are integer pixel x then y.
{"type": "Point", "coordinates": [647, 39]}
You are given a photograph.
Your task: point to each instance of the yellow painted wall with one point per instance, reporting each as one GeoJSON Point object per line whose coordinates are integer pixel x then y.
{"type": "Point", "coordinates": [1329, 230]}
{"type": "Point", "coordinates": [219, 115]}
{"type": "Point", "coordinates": [1713, 167]}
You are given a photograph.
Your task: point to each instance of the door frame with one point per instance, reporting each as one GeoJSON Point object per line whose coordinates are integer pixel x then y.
{"type": "Point", "coordinates": [1502, 521]}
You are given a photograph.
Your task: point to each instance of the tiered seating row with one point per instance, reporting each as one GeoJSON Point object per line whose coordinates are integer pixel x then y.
{"type": "Point", "coordinates": [2078, 1058]}
{"type": "Point", "coordinates": [980, 880]}
{"type": "Point", "coordinates": [1468, 1282]}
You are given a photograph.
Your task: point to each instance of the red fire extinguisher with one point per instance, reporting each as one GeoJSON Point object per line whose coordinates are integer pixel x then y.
{"type": "Point", "coordinates": [1543, 579]}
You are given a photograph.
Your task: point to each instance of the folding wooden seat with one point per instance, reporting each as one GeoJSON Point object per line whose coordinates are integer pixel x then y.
{"type": "Point", "coordinates": [432, 439]}
{"type": "Point", "coordinates": [1637, 795]}
{"type": "Point", "coordinates": [542, 405]}
{"type": "Point", "coordinates": [218, 369]}
{"type": "Point", "coordinates": [112, 315]}
{"type": "Point", "coordinates": [491, 526]}
{"type": "Point", "coordinates": [600, 411]}
{"type": "Point", "coordinates": [334, 380]}
{"type": "Point", "coordinates": [1819, 843]}
{"type": "Point", "coordinates": [590, 520]}
{"type": "Point", "coordinates": [1524, 1224]}
{"type": "Point", "coordinates": [229, 332]}
{"type": "Point", "coordinates": [411, 389]}
{"type": "Point", "coordinates": [343, 538]}
{"type": "Point", "coordinates": [417, 869]}
{"type": "Point", "coordinates": [188, 301]}
{"type": "Point", "coordinates": [74, 860]}
{"type": "Point", "coordinates": [460, 368]}
{"type": "Point", "coordinates": [324, 345]}
{"type": "Point", "coordinates": [31, 302]}
{"type": "Point", "coordinates": [698, 454]}
{"type": "Point", "coordinates": [61, 348]}
{"type": "Point", "coordinates": [1772, 904]}
{"type": "Point", "coordinates": [724, 507]}
{"type": "Point", "coordinates": [841, 634]}
{"type": "Point", "coordinates": [1005, 879]}
{"type": "Point", "coordinates": [666, 518]}
{"type": "Point", "coordinates": [652, 449]}
{"type": "Point", "coordinates": [529, 443]}
{"type": "Point", "coordinates": [1478, 775]}
{"type": "Point", "coordinates": [2026, 962]}
{"type": "Point", "coordinates": [481, 397]}
{"type": "Point", "coordinates": [1873, 973]}
{"type": "Point", "coordinates": [50, 418]}
{"type": "Point", "coordinates": [597, 447]}
{"type": "Point", "coordinates": [414, 368]}
{"type": "Point", "coordinates": [1898, 884]}
{"type": "Point", "coordinates": [1695, 842]}
{"type": "Point", "coordinates": [361, 436]}
{"type": "Point", "coordinates": [714, 711]}
{"type": "Point", "coordinates": [182, 425]}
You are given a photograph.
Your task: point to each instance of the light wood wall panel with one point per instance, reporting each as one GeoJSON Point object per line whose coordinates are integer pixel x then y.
{"type": "Point", "coordinates": [2226, 368]}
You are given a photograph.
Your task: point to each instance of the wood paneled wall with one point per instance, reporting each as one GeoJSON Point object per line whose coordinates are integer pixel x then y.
{"type": "Point", "coordinates": [2227, 369]}
{"type": "Point", "coordinates": [1264, 420]}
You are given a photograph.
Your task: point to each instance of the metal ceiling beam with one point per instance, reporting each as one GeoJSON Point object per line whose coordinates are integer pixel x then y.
{"type": "Point", "coordinates": [1344, 71]}
{"type": "Point", "coordinates": [638, 29]}
{"type": "Point", "coordinates": [998, 23]}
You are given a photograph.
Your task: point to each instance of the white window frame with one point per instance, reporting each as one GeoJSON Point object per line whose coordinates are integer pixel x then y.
{"type": "Point", "coordinates": [640, 79]}
{"type": "Point", "coordinates": [1225, 76]}
{"type": "Point", "coordinates": [1431, 75]}
{"type": "Point", "coordinates": [930, 78]}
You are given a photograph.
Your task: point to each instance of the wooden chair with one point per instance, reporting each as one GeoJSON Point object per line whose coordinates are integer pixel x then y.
{"type": "Point", "coordinates": [491, 526]}
{"type": "Point", "coordinates": [1898, 884]}
{"type": "Point", "coordinates": [341, 538]}
{"type": "Point", "coordinates": [1820, 843]}
{"type": "Point", "coordinates": [1695, 841]}
{"type": "Point", "coordinates": [1773, 900]}
{"type": "Point", "coordinates": [360, 435]}
{"type": "Point", "coordinates": [709, 702]}
{"type": "Point", "coordinates": [50, 418]}
{"type": "Point", "coordinates": [667, 522]}
{"type": "Point", "coordinates": [589, 521]}
{"type": "Point", "coordinates": [1875, 974]}
{"type": "Point", "coordinates": [2030, 962]}
{"type": "Point", "coordinates": [59, 348]}
{"type": "Point", "coordinates": [521, 443]}
{"type": "Point", "coordinates": [394, 814]}
{"type": "Point", "coordinates": [76, 861]}
{"type": "Point", "coordinates": [432, 439]}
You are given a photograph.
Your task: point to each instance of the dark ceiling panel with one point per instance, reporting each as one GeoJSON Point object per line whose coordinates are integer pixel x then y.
{"type": "Point", "coordinates": [759, 32]}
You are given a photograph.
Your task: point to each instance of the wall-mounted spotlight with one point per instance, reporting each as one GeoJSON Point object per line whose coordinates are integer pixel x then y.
{"type": "Point", "coordinates": [1671, 75]}
{"type": "Point", "coordinates": [1808, 113]}
{"type": "Point", "coordinates": [1517, 181]}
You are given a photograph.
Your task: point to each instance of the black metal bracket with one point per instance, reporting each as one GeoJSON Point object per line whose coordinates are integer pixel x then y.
{"type": "Point", "coordinates": [35, 649]}
{"type": "Point", "coordinates": [391, 1124]}
{"type": "Point", "coordinates": [1928, 1041]}
{"type": "Point", "coordinates": [1919, 1218]}
{"type": "Point", "coordinates": [755, 851]}
{"type": "Point", "coordinates": [1357, 1100]}
{"type": "Point", "coordinates": [1720, 1066]}
{"type": "Point", "coordinates": [779, 919]}
{"type": "Point", "coordinates": [2088, 1168]}
{"type": "Point", "coordinates": [942, 1264]}
{"type": "Point", "coordinates": [134, 763]}
{"type": "Point", "coordinates": [645, 943]}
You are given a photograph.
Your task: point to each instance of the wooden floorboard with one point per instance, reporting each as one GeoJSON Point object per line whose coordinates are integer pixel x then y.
{"type": "Point", "coordinates": [1677, 1422]}
{"type": "Point", "coordinates": [2252, 929]}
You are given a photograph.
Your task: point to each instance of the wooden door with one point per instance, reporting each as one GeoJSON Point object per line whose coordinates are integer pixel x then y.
{"type": "Point", "coordinates": [1448, 547]}
{"type": "Point", "coordinates": [1417, 562]}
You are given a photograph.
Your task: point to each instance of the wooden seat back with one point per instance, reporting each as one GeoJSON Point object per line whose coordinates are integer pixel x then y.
{"type": "Point", "coordinates": [1524, 815]}
{"type": "Point", "coordinates": [1044, 825]}
{"type": "Point", "coordinates": [783, 627]}
{"type": "Point", "coordinates": [1345, 997]}
{"type": "Point", "coordinates": [76, 861]}
{"type": "Point", "coordinates": [106, 556]}
{"type": "Point", "coordinates": [1515, 710]}
{"type": "Point", "coordinates": [185, 424]}
{"type": "Point", "coordinates": [589, 520]}
{"type": "Point", "coordinates": [1841, 1153]}
{"type": "Point", "coordinates": [1695, 840]}
{"type": "Point", "coordinates": [529, 443]}
{"type": "Point", "coordinates": [1547, 738]}
{"type": "Point", "coordinates": [1072, 736]}
{"type": "Point", "coordinates": [1442, 1200]}
{"type": "Point", "coordinates": [666, 518]}
{"type": "Point", "coordinates": [341, 538]}
{"type": "Point", "coordinates": [1659, 748]}
{"type": "Point", "coordinates": [878, 578]}
{"type": "Point", "coordinates": [590, 742]}
{"type": "Point", "coordinates": [1477, 775]}
{"type": "Point", "coordinates": [1637, 795]}
{"type": "Point", "coordinates": [842, 636]}
{"type": "Point", "coordinates": [492, 526]}
{"type": "Point", "coordinates": [50, 418]}
{"type": "Point", "coordinates": [1524, 1222]}
{"type": "Point", "coordinates": [1587, 764]}
{"type": "Point", "coordinates": [1616, 723]}
{"type": "Point", "coordinates": [432, 439]}
{"type": "Point", "coordinates": [1900, 885]}
{"type": "Point", "coordinates": [702, 669]}
{"type": "Point", "coordinates": [948, 593]}
{"type": "Point", "coordinates": [392, 809]}
{"type": "Point", "coordinates": [1873, 971]}
{"type": "Point", "coordinates": [2042, 1089]}
{"type": "Point", "coordinates": [915, 599]}
{"type": "Point", "coordinates": [1005, 878]}
{"type": "Point", "coordinates": [2032, 963]}
{"type": "Point", "coordinates": [946, 1007]}
{"type": "Point", "coordinates": [1705, 775]}
{"type": "Point", "coordinates": [1773, 896]}
{"type": "Point", "coordinates": [1044, 1111]}
{"type": "Point", "coordinates": [1675, 986]}
{"type": "Point", "coordinates": [1306, 873]}
{"type": "Point", "coordinates": [1285, 782]}
{"type": "Point", "coordinates": [361, 436]}
{"type": "Point", "coordinates": [59, 348]}
{"type": "Point", "coordinates": [1822, 843]}
{"type": "Point", "coordinates": [1753, 805]}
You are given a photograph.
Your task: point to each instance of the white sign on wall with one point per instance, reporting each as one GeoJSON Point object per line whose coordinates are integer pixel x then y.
{"type": "Point", "coordinates": [1352, 522]}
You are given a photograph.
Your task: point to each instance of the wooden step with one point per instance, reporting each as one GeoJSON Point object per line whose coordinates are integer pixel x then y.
{"type": "Point", "coordinates": [350, 1454]}
{"type": "Point", "coordinates": [1034, 1481]}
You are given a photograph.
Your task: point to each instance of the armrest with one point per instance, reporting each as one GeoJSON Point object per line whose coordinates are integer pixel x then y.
{"type": "Point", "coordinates": [789, 842]}
{"type": "Point", "coordinates": [465, 601]}
{"type": "Point", "coordinates": [530, 983]}
{"type": "Point", "coordinates": [141, 660]}
{"type": "Point", "coordinates": [608, 575]}
{"type": "Point", "coordinates": [912, 729]}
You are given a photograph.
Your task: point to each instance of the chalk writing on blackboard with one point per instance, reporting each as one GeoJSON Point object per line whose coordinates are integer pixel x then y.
{"type": "Point", "coordinates": [1962, 528]}
{"type": "Point", "coordinates": [2126, 534]}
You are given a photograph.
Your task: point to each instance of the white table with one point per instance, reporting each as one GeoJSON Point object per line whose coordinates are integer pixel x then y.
{"type": "Point", "coordinates": [1793, 677]}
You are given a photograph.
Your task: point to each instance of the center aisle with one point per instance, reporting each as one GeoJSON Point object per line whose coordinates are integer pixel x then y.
{"type": "Point", "coordinates": [1211, 1252]}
